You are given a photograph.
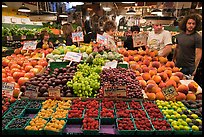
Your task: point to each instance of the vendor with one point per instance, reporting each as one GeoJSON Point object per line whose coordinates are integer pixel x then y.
{"type": "Point", "coordinates": [67, 32]}
{"type": "Point", "coordinates": [109, 29]}
{"type": "Point", "coordinates": [45, 43]}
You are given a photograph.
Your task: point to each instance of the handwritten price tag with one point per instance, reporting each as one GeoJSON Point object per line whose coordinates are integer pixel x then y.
{"type": "Point", "coordinates": [102, 39]}
{"type": "Point", "coordinates": [77, 36]}
{"type": "Point", "coordinates": [119, 91]}
{"type": "Point", "coordinates": [29, 45]}
{"type": "Point", "coordinates": [139, 40]}
{"type": "Point", "coordinates": [54, 92]}
{"type": "Point", "coordinates": [169, 92]}
{"type": "Point", "coordinates": [8, 88]}
{"type": "Point", "coordinates": [31, 91]}
{"type": "Point", "coordinates": [73, 56]}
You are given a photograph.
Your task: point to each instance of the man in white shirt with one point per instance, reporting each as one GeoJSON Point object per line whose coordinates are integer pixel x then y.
{"type": "Point", "coordinates": [159, 39]}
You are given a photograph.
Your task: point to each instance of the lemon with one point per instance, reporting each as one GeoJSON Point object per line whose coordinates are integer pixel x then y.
{"type": "Point", "coordinates": [176, 127]}
{"type": "Point", "coordinates": [195, 128]}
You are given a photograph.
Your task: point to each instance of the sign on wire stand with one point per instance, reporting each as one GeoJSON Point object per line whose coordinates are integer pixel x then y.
{"type": "Point", "coordinates": [54, 92]}
{"type": "Point", "coordinates": [8, 88]}
{"type": "Point", "coordinates": [77, 36]}
{"type": "Point", "coordinates": [169, 92]}
{"type": "Point", "coordinates": [31, 91]}
{"type": "Point", "coordinates": [102, 39]}
{"type": "Point", "coordinates": [139, 39]}
{"type": "Point", "coordinates": [29, 45]}
{"type": "Point", "coordinates": [119, 91]}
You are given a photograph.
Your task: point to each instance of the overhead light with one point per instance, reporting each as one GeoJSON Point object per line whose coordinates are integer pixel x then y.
{"type": "Point", "coordinates": [63, 15]}
{"type": "Point", "coordinates": [131, 11]}
{"type": "Point", "coordinates": [128, 2]}
{"type": "Point", "coordinates": [4, 5]}
{"type": "Point", "coordinates": [156, 11]}
{"type": "Point", "coordinates": [87, 17]}
{"type": "Point", "coordinates": [23, 8]}
{"type": "Point", "coordinates": [107, 8]}
{"type": "Point", "coordinates": [74, 4]}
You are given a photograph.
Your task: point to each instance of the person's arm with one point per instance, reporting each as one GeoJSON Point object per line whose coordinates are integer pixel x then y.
{"type": "Point", "coordinates": [51, 45]}
{"type": "Point", "coordinates": [175, 53]}
{"type": "Point", "coordinates": [198, 56]}
{"type": "Point", "coordinates": [166, 51]}
{"type": "Point", "coordinates": [168, 44]}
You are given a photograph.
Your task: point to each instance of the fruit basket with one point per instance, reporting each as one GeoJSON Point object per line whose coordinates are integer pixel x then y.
{"type": "Point", "coordinates": [5, 122]}
{"type": "Point", "coordinates": [135, 105]}
{"type": "Point", "coordinates": [60, 114]}
{"type": "Point", "coordinates": [20, 104]}
{"type": "Point", "coordinates": [17, 125]}
{"type": "Point", "coordinates": [45, 113]}
{"type": "Point", "coordinates": [92, 113]}
{"type": "Point", "coordinates": [34, 106]}
{"type": "Point", "coordinates": [91, 132]}
{"type": "Point", "coordinates": [160, 127]}
{"type": "Point", "coordinates": [145, 121]}
{"type": "Point", "coordinates": [125, 131]}
{"type": "Point", "coordinates": [107, 116]}
{"type": "Point", "coordinates": [54, 65]}
{"type": "Point", "coordinates": [14, 113]}
{"type": "Point", "coordinates": [52, 132]}
{"type": "Point", "coordinates": [73, 119]}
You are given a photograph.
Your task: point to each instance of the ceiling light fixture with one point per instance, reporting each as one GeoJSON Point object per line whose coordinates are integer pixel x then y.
{"type": "Point", "coordinates": [131, 11]}
{"type": "Point", "coordinates": [128, 2]}
{"type": "Point", "coordinates": [23, 8]}
{"type": "Point", "coordinates": [106, 8]}
{"type": "Point", "coordinates": [4, 5]}
{"type": "Point", "coordinates": [74, 4]}
{"type": "Point", "coordinates": [156, 11]}
{"type": "Point", "coordinates": [63, 15]}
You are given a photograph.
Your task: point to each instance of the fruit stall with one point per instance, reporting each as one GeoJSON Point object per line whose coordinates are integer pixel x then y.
{"type": "Point", "coordinates": [91, 90]}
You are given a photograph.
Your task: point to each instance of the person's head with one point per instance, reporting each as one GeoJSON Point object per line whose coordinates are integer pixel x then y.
{"type": "Point", "coordinates": [158, 27]}
{"type": "Point", "coordinates": [191, 23]}
{"type": "Point", "coordinates": [45, 35]}
{"type": "Point", "coordinates": [78, 29]}
{"type": "Point", "coordinates": [67, 29]}
{"type": "Point", "coordinates": [135, 29]}
{"type": "Point", "coordinates": [109, 27]}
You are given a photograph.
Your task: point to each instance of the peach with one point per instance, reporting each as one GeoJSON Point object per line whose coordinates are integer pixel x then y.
{"type": "Point", "coordinates": [131, 58]}
{"type": "Point", "coordinates": [170, 64]}
{"type": "Point", "coordinates": [155, 59]}
{"type": "Point", "coordinates": [183, 89]}
{"type": "Point", "coordinates": [137, 72]}
{"type": "Point", "coordinates": [125, 53]}
{"type": "Point", "coordinates": [139, 78]}
{"type": "Point", "coordinates": [161, 69]}
{"type": "Point", "coordinates": [151, 81]}
{"type": "Point", "coordinates": [151, 96]}
{"type": "Point", "coordinates": [132, 52]}
{"type": "Point", "coordinates": [146, 76]}
{"type": "Point", "coordinates": [163, 60]}
{"type": "Point", "coordinates": [145, 69]}
{"type": "Point", "coordinates": [170, 82]}
{"type": "Point", "coordinates": [146, 62]}
{"type": "Point", "coordinates": [141, 52]}
{"type": "Point", "coordinates": [191, 96]}
{"type": "Point", "coordinates": [158, 90]}
{"type": "Point", "coordinates": [162, 84]}
{"type": "Point", "coordinates": [133, 66]}
{"type": "Point", "coordinates": [126, 59]}
{"type": "Point", "coordinates": [156, 64]}
{"type": "Point", "coordinates": [152, 54]}
{"type": "Point", "coordinates": [193, 86]}
{"type": "Point", "coordinates": [160, 96]}
{"type": "Point", "coordinates": [153, 72]}
{"type": "Point", "coordinates": [168, 72]}
{"type": "Point", "coordinates": [179, 74]}
{"type": "Point", "coordinates": [143, 83]}
{"type": "Point", "coordinates": [151, 88]}
{"type": "Point", "coordinates": [199, 96]}
{"type": "Point", "coordinates": [163, 76]}
{"type": "Point", "coordinates": [156, 78]}
{"type": "Point", "coordinates": [139, 69]}
{"type": "Point", "coordinates": [175, 69]}
{"type": "Point", "coordinates": [137, 57]}
{"type": "Point", "coordinates": [175, 78]}
{"type": "Point", "coordinates": [156, 52]}
{"type": "Point", "coordinates": [180, 96]}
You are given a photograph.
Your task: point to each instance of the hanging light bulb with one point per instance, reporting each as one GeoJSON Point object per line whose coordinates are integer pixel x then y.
{"type": "Point", "coordinates": [23, 8]}
{"type": "Point", "coordinates": [4, 5]}
{"type": "Point", "coordinates": [131, 11]}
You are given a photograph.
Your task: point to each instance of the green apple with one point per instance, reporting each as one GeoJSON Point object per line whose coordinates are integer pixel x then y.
{"type": "Point", "coordinates": [195, 128]}
{"type": "Point", "coordinates": [160, 107]}
{"type": "Point", "coordinates": [188, 120]}
{"type": "Point", "coordinates": [176, 127]}
{"type": "Point", "coordinates": [186, 128]}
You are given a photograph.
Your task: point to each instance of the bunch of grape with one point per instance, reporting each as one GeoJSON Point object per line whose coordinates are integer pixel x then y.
{"type": "Point", "coordinates": [86, 82]}
{"type": "Point", "coordinates": [99, 61]}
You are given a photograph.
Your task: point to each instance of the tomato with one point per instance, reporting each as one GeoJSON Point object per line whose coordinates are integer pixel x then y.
{"type": "Point", "coordinates": [29, 75]}
{"type": "Point", "coordinates": [16, 92]}
{"type": "Point", "coordinates": [13, 55]}
{"type": "Point", "coordinates": [43, 63]}
{"type": "Point", "coordinates": [3, 70]}
{"type": "Point", "coordinates": [10, 79]}
{"type": "Point", "coordinates": [22, 80]}
{"type": "Point", "coordinates": [15, 70]}
{"type": "Point", "coordinates": [26, 63]}
{"type": "Point", "coordinates": [17, 51]}
{"type": "Point", "coordinates": [16, 85]}
{"type": "Point", "coordinates": [28, 67]}
{"type": "Point", "coordinates": [9, 57]}
{"type": "Point", "coordinates": [15, 66]}
{"type": "Point", "coordinates": [8, 74]}
{"type": "Point", "coordinates": [4, 75]}
{"type": "Point", "coordinates": [11, 63]}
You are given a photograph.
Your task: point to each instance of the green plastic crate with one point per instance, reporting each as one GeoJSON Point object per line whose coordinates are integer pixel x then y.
{"type": "Point", "coordinates": [14, 105]}
{"type": "Point", "coordinates": [21, 114]}
{"type": "Point", "coordinates": [108, 120]}
{"type": "Point", "coordinates": [75, 120]}
{"type": "Point", "coordinates": [54, 65]}
{"type": "Point", "coordinates": [33, 110]}
{"type": "Point", "coordinates": [125, 132]}
{"type": "Point", "coordinates": [135, 101]}
{"type": "Point", "coordinates": [144, 132]}
{"type": "Point", "coordinates": [17, 131]}
{"type": "Point", "coordinates": [91, 132]}
{"type": "Point", "coordinates": [197, 132]}
{"type": "Point", "coordinates": [49, 132]}
{"type": "Point", "coordinates": [93, 117]}
{"type": "Point", "coordinates": [4, 131]}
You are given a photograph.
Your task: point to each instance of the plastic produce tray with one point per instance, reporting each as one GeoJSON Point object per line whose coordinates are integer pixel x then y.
{"type": "Point", "coordinates": [108, 120]}
{"type": "Point", "coordinates": [3, 130]}
{"type": "Point", "coordinates": [144, 132]}
{"type": "Point", "coordinates": [15, 104]}
{"type": "Point", "coordinates": [129, 106]}
{"type": "Point", "coordinates": [33, 110]}
{"type": "Point", "coordinates": [54, 65]}
{"type": "Point", "coordinates": [93, 117]}
{"type": "Point", "coordinates": [21, 114]}
{"type": "Point", "coordinates": [92, 132]}
{"type": "Point", "coordinates": [75, 120]}
{"type": "Point", "coordinates": [125, 132]}
{"type": "Point", "coordinates": [49, 132]}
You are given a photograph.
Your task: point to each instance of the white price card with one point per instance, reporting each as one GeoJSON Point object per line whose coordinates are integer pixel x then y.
{"type": "Point", "coordinates": [139, 39]}
{"type": "Point", "coordinates": [102, 39]}
{"type": "Point", "coordinates": [7, 88]}
{"type": "Point", "coordinates": [54, 92]}
{"type": "Point", "coordinates": [73, 56]}
{"type": "Point", "coordinates": [29, 45]}
{"type": "Point", "coordinates": [77, 36]}
{"type": "Point", "coordinates": [31, 91]}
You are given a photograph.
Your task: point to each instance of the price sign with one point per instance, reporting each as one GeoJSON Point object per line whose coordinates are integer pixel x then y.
{"type": "Point", "coordinates": [102, 39]}
{"type": "Point", "coordinates": [139, 39]}
{"type": "Point", "coordinates": [31, 91]}
{"type": "Point", "coordinates": [54, 92]}
{"type": "Point", "coordinates": [8, 88]}
{"type": "Point", "coordinates": [169, 92]}
{"type": "Point", "coordinates": [111, 64]}
{"type": "Point", "coordinates": [119, 91]}
{"type": "Point", "coordinates": [77, 36]}
{"type": "Point", "coordinates": [73, 56]}
{"type": "Point", "coordinates": [29, 45]}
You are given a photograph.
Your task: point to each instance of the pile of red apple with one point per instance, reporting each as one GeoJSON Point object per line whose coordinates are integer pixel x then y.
{"type": "Point", "coordinates": [143, 124]}
{"type": "Point", "coordinates": [152, 110]}
{"type": "Point", "coordinates": [109, 104]}
{"type": "Point", "coordinates": [92, 112]}
{"type": "Point", "coordinates": [125, 124]}
{"type": "Point", "coordinates": [138, 113]}
{"type": "Point", "coordinates": [108, 113]}
{"type": "Point", "coordinates": [121, 113]}
{"type": "Point", "coordinates": [90, 124]}
{"type": "Point", "coordinates": [160, 124]}
{"type": "Point", "coordinates": [121, 105]}
{"type": "Point", "coordinates": [135, 105]}
{"type": "Point", "coordinates": [75, 113]}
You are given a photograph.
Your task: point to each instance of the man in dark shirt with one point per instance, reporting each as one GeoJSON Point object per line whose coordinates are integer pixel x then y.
{"type": "Point", "coordinates": [188, 50]}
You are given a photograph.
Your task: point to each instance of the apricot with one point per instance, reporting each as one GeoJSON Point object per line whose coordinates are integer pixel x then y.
{"type": "Point", "coordinates": [161, 69]}
{"type": "Point", "coordinates": [158, 90]}
{"type": "Point", "coordinates": [163, 60]}
{"type": "Point", "coordinates": [179, 74]}
{"type": "Point", "coordinates": [175, 78]}
{"type": "Point", "coordinates": [163, 76]}
{"type": "Point", "coordinates": [183, 89]}
{"type": "Point", "coordinates": [151, 81]}
{"type": "Point", "coordinates": [137, 72]}
{"type": "Point", "coordinates": [146, 76]}
{"type": "Point", "coordinates": [151, 96]}
{"type": "Point", "coordinates": [170, 82]}
{"type": "Point", "coordinates": [170, 64]}
{"type": "Point", "coordinates": [193, 86]}
{"type": "Point", "coordinates": [125, 53]}
{"type": "Point", "coordinates": [160, 96]}
{"type": "Point", "coordinates": [175, 69]}
{"type": "Point", "coordinates": [191, 96]}
{"type": "Point", "coordinates": [156, 64]}
{"type": "Point", "coordinates": [152, 72]}
{"type": "Point", "coordinates": [132, 52]}
{"type": "Point", "coordinates": [131, 58]}
{"type": "Point", "coordinates": [155, 59]}
{"type": "Point", "coordinates": [156, 78]}
{"type": "Point", "coordinates": [156, 52]}
{"type": "Point", "coordinates": [180, 96]}
{"type": "Point", "coordinates": [133, 66]}
{"type": "Point", "coordinates": [168, 72]}
{"type": "Point", "coordinates": [137, 57]}
{"type": "Point", "coordinates": [152, 54]}
{"type": "Point", "coordinates": [143, 83]}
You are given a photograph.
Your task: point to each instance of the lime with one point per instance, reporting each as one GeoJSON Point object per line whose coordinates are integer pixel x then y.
{"type": "Point", "coordinates": [160, 107]}
{"type": "Point", "coordinates": [194, 116]}
{"type": "Point", "coordinates": [181, 127]}
{"type": "Point", "coordinates": [195, 128]}
{"type": "Point", "coordinates": [188, 120]}
{"type": "Point", "coordinates": [176, 127]}
{"type": "Point", "coordinates": [183, 116]}
{"type": "Point", "coordinates": [186, 128]}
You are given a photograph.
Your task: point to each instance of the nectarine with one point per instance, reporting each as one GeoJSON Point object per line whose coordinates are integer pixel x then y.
{"type": "Point", "coordinates": [183, 89]}
{"type": "Point", "coordinates": [191, 96]}
{"type": "Point", "coordinates": [180, 96]}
